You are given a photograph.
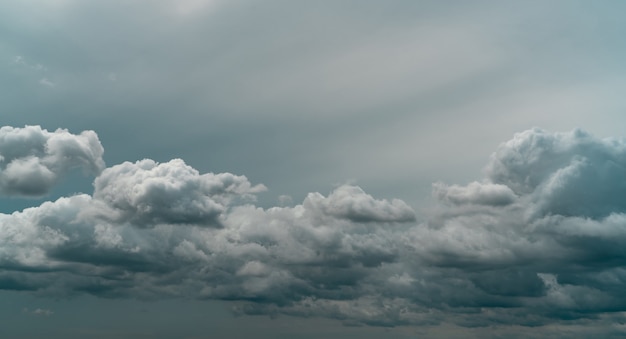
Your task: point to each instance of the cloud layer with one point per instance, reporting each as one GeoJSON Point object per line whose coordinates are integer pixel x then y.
{"type": "Point", "coordinates": [537, 241]}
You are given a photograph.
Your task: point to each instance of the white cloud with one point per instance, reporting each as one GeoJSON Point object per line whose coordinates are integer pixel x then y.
{"type": "Point", "coordinates": [32, 159]}
{"type": "Point", "coordinates": [47, 83]}
{"type": "Point", "coordinates": [352, 203]}
{"type": "Point", "coordinates": [146, 193]}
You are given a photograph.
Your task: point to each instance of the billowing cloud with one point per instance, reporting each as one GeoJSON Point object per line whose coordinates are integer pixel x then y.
{"type": "Point", "coordinates": [552, 250]}
{"type": "Point", "coordinates": [570, 174]}
{"type": "Point", "coordinates": [526, 245]}
{"type": "Point", "coordinates": [352, 203]}
{"type": "Point", "coordinates": [146, 193]}
{"type": "Point", "coordinates": [32, 159]}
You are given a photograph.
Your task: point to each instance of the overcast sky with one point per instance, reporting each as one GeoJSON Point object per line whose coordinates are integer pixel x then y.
{"type": "Point", "coordinates": [312, 169]}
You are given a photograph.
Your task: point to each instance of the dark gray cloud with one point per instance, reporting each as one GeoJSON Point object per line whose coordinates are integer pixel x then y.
{"type": "Point", "coordinates": [33, 159]}
{"type": "Point", "coordinates": [525, 246]}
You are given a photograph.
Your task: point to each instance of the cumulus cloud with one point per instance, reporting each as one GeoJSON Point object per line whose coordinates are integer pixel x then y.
{"type": "Point", "coordinates": [146, 193]}
{"type": "Point", "coordinates": [552, 249]}
{"type": "Point", "coordinates": [352, 203]}
{"type": "Point", "coordinates": [566, 173]}
{"type": "Point", "coordinates": [33, 159]}
{"type": "Point", "coordinates": [526, 245]}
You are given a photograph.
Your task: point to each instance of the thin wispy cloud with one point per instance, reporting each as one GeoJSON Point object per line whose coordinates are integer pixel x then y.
{"type": "Point", "coordinates": [38, 312]}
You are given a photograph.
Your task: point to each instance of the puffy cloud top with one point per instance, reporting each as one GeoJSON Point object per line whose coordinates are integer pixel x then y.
{"type": "Point", "coordinates": [352, 203]}
{"type": "Point", "coordinates": [566, 173]}
{"type": "Point", "coordinates": [32, 159]}
{"type": "Point", "coordinates": [147, 193]}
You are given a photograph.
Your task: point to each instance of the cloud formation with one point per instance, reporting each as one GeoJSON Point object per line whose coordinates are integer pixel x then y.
{"type": "Point", "coordinates": [33, 159]}
{"type": "Point", "coordinates": [146, 193]}
{"type": "Point", "coordinates": [571, 174]}
{"type": "Point", "coordinates": [537, 241]}
{"type": "Point", "coordinates": [352, 203]}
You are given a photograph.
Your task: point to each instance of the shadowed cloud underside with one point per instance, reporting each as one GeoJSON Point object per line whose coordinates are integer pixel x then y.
{"type": "Point", "coordinates": [536, 241]}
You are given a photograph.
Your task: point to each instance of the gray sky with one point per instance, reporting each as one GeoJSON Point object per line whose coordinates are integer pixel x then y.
{"type": "Point", "coordinates": [348, 168]}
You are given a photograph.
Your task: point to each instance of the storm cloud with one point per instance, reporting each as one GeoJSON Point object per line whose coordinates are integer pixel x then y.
{"type": "Point", "coordinates": [538, 240]}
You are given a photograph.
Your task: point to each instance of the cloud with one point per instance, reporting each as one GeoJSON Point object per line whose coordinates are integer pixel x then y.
{"type": "Point", "coordinates": [523, 246]}
{"type": "Point", "coordinates": [38, 312]}
{"type": "Point", "coordinates": [352, 203]}
{"type": "Point", "coordinates": [571, 174]}
{"type": "Point", "coordinates": [19, 60]}
{"type": "Point", "coordinates": [146, 193]}
{"type": "Point", "coordinates": [33, 159]}
{"type": "Point", "coordinates": [46, 82]}
{"type": "Point", "coordinates": [551, 250]}
{"type": "Point", "coordinates": [474, 193]}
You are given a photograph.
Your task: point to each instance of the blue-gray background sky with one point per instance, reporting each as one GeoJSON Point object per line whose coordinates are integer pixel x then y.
{"type": "Point", "coordinates": [323, 96]}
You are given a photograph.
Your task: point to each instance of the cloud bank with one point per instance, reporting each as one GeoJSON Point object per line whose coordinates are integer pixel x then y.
{"type": "Point", "coordinates": [537, 241]}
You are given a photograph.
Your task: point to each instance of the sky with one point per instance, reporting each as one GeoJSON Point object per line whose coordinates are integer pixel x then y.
{"type": "Point", "coordinates": [312, 169]}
